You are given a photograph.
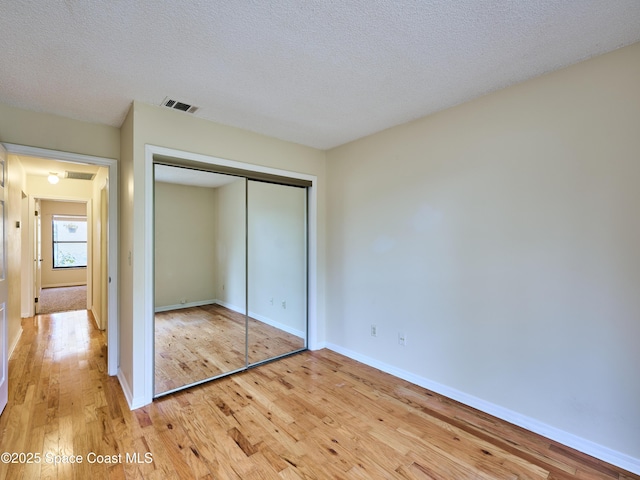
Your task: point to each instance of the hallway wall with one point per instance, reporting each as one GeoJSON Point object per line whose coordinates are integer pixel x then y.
{"type": "Point", "coordinates": [16, 183]}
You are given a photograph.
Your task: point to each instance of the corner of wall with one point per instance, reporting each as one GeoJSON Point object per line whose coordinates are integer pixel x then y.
{"type": "Point", "coordinates": [133, 402]}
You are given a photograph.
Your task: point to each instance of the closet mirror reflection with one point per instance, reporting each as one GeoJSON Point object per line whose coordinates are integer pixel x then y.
{"type": "Point", "coordinates": [230, 274]}
{"type": "Point", "coordinates": [277, 270]}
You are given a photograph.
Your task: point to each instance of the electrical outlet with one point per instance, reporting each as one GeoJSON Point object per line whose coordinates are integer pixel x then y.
{"type": "Point", "coordinates": [402, 339]}
{"type": "Point", "coordinates": [284, 304]}
{"type": "Point", "coordinates": [271, 301]}
{"type": "Point", "coordinates": [374, 331]}
{"type": "Point", "coordinates": [183, 301]}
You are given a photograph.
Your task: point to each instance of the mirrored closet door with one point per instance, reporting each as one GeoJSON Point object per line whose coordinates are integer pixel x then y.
{"type": "Point", "coordinates": [230, 274]}
{"type": "Point", "coordinates": [200, 276]}
{"type": "Point", "coordinates": [277, 270]}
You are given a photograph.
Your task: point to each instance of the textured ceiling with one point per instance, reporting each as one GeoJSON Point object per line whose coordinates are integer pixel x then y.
{"type": "Point", "coordinates": [315, 72]}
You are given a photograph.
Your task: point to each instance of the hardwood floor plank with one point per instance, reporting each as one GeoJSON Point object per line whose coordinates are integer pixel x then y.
{"type": "Point", "coordinates": [434, 465]}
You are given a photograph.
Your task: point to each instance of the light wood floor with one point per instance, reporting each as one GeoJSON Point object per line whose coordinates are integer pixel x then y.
{"type": "Point", "coordinates": [311, 415]}
{"type": "Point", "coordinates": [193, 344]}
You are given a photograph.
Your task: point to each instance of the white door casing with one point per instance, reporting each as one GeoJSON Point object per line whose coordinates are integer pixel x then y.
{"type": "Point", "coordinates": [37, 256]}
{"type": "Point", "coordinates": [104, 257]}
{"type": "Point", "coordinates": [4, 291]}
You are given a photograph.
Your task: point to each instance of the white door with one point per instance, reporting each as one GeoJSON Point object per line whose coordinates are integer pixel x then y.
{"type": "Point", "coordinates": [37, 256]}
{"type": "Point", "coordinates": [4, 295]}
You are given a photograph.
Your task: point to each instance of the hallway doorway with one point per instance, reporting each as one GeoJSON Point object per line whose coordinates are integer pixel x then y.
{"type": "Point", "coordinates": [63, 257]}
{"type": "Point", "coordinates": [92, 181]}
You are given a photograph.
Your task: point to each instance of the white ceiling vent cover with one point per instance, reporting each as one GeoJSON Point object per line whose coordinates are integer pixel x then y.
{"type": "Point", "coordinates": [178, 105]}
{"type": "Point", "coordinates": [79, 175]}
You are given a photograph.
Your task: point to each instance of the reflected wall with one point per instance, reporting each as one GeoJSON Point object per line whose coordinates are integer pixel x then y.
{"type": "Point", "coordinates": [277, 269]}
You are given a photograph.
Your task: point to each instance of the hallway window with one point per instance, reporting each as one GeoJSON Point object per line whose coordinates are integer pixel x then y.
{"type": "Point", "coordinates": [69, 241]}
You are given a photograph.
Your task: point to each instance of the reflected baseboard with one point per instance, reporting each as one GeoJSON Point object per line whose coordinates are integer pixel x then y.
{"type": "Point", "coordinates": [278, 325]}
{"type": "Point", "coordinates": [168, 308]}
{"type": "Point", "coordinates": [235, 308]}
{"type": "Point", "coordinates": [263, 319]}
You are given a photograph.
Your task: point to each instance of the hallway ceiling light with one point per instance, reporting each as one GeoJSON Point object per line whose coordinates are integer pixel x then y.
{"type": "Point", "coordinates": [53, 178]}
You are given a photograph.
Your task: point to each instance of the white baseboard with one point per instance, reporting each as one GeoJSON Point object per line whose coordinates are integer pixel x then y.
{"type": "Point", "coordinates": [320, 346]}
{"type": "Point", "coordinates": [126, 389]}
{"type": "Point", "coordinates": [263, 319]}
{"type": "Point", "coordinates": [278, 325]}
{"type": "Point", "coordinates": [12, 347]}
{"type": "Point", "coordinates": [168, 308]}
{"type": "Point", "coordinates": [605, 454]}
{"type": "Point", "coordinates": [230, 306]}
{"type": "Point", "coordinates": [58, 285]}
{"type": "Point", "coordinates": [96, 319]}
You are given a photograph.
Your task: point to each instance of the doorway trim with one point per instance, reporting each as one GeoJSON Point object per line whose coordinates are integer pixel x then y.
{"type": "Point", "coordinates": [312, 254]}
{"type": "Point", "coordinates": [111, 164]}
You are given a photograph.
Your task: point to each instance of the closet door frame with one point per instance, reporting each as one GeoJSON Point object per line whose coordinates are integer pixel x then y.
{"type": "Point", "coordinates": [151, 153]}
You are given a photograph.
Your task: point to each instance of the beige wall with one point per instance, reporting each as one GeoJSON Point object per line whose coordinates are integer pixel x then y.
{"type": "Point", "coordinates": [99, 253]}
{"type": "Point", "coordinates": [276, 242]}
{"type": "Point", "coordinates": [43, 130]}
{"type": "Point", "coordinates": [230, 258]}
{"type": "Point", "coordinates": [15, 184]}
{"type": "Point", "coordinates": [126, 278]}
{"type": "Point", "coordinates": [184, 244]}
{"type": "Point", "coordinates": [59, 277]}
{"type": "Point", "coordinates": [26, 265]}
{"type": "Point", "coordinates": [501, 237]}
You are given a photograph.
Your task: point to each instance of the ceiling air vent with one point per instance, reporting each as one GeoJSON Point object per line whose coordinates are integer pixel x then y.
{"type": "Point", "coordinates": [176, 105]}
{"type": "Point", "coordinates": [79, 175]}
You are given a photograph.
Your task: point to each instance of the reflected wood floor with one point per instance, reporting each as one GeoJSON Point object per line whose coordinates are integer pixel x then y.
{"type": "Point", "coordinates": [192, 344]}
{"type": "Point", "coordinates": [315, 415]}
